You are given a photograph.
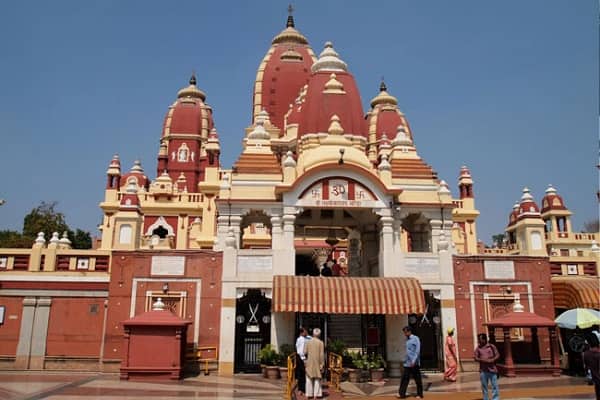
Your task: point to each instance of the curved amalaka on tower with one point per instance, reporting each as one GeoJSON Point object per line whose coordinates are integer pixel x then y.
{"type": "Point", "coordinates": [281, 74]}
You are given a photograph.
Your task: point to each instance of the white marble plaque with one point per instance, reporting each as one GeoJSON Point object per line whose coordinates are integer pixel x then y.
{"type": "Point", "coordinates": [168, 265]}
{"type": "Point", "coordinates": [422, 265]}
{"type": "Point", "coordinates": [252, 264]}
{"type": "Point", "coordinates": [499, 269]}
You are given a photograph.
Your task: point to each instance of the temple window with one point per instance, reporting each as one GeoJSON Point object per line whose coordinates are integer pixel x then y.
{"type": "Point", "coordinates": [536, 241]}
{"type": "Point", "coordinates": [161, 232]}
{"type": "Point", "coordinates": [418, 233]}
{"type": "Point", "coordinates": [561, 223]}
{"type": "Point", "coordinates": [125, 234]}
{"type": "Point", "coordinates": [548, 226]}
{"type": "Point", "coordinates": [183, 153]}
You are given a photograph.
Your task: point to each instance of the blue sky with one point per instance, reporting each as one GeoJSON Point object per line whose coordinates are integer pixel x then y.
{"type": "Point", "coordinates": [509, 88]}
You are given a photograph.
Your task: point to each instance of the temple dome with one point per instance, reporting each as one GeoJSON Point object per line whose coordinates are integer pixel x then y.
{"type": "Point", "coordinates": [284, 70]}
{"type": "Point", "coordinates": [552, 201]}
{"type": "Point", "coordinates": [331, 91]}
{"type": "Point", "coordinates": [385, 116]}
{"type": "Point", "coordinates": [189, 114]}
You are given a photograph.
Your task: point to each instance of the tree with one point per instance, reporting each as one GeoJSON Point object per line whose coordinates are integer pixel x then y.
{"type": "Point", "coordinates": [44, 218]}
{"type": "Point", "coordinates": [592, 226]}
{"type": "Point", "coordinates": [13, 239]}
{"type": "Point", "coordinates": [80, 239]}
{"type": "Point", "coordinates": [498, 240]}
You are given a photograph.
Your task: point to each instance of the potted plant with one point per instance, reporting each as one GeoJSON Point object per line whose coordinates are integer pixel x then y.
{"type": "Point", "coordinates": [270, 358]}
{"type": "Point", "coordinates": [285, 350]}
{"type": "Point", "coordinates": [376, 366]}
{"type": "Point", "coordinates": [337, 346]}
{"type": "Point", "coordinates": [359, 363]}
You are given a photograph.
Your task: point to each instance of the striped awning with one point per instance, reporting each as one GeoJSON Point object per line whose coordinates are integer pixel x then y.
{"type": "Point", "coordinates": [576, 292]}
{"type": "Point", "coordinates": [347, 295]}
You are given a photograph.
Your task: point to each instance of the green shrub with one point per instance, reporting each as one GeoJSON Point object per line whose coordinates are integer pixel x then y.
{"type": "Point", "coordinates": [376, 361]}
{"type": "Point", "coordinates": [360, 361]}
{"type": "Point", "coordinates": [268, 356]}
{"type": "Point", "coordinates": [337, 346]}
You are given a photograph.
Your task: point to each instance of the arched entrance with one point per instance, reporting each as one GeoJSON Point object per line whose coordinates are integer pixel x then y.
{"type": "Point", "coordinates": [252, 329]}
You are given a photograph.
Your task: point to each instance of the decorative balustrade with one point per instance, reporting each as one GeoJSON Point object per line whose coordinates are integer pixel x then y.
{"type": "Point", "coordinates": [52, 259]}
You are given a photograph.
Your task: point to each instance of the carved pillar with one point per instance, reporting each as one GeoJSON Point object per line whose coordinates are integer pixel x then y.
{"type": "Point", "coordinates": [386, 247]}
{"type": "Point", "coordinates": [508, 358]}
{"type": "Point", "coordinates": [436, 226]}
{"type": "Point", "coordinates": [354, 257]}
{"type": "Point", "coordinates": [237, 231]}
{"type": "Point", "coordinates": [285, 256]}
{"type": "Point", "coordinates": [222, 229]}
{"type": "Point", "coordinates": [276, 232]}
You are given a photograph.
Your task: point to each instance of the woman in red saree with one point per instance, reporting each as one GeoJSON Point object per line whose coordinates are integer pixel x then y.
{"type": "Point", "coordinates": [451, 360]}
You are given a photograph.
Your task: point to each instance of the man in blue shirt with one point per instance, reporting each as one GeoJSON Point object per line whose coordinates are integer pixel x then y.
{"type": "Point", "coordinates": [411, 364]}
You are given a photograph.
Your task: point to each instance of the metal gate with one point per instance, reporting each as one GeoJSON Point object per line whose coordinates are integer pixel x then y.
{"type": "Point", "coordinates": [252, 329]}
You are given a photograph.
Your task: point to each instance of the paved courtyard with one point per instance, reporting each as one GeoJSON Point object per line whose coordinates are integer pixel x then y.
{"type": "Point", "coordinates": [17, 385]}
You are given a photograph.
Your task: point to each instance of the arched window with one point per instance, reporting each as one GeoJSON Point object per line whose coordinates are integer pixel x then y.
{"type": "Point", "coordinates": [183, 153]}
{"type": "Point", "coordinates": [536, 241]}
{"type": "Point", "coordinates": [161, 232]}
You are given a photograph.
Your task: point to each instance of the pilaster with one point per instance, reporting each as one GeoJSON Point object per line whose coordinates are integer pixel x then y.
{"type": "Point", "coordinates": [40, 334]}
{"type": "Point", "coordinates": [386, 247]}
{"type": "Point", "coordinates": [25, 333]}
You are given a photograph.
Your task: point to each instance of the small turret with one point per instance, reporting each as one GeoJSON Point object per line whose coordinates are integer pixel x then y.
{"type": "Point", "coordinates": [113, 173]}
{"type": "Point", "coordinates": [465, 183]}
{"type": "Point", "coordinates": [528, 231]}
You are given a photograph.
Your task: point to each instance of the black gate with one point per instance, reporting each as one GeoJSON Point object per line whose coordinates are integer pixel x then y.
{"type": "Point", "coordinates": [428, 328]}
{"type": "Point", "coordinates": [252, 329]}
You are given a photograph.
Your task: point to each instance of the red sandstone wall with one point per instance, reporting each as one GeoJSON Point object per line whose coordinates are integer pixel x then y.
{"type": "Point", "coordinates": [203, 265]}
{"type": "Point", "coordinates": [534, 270]}
{"type": "Point", "coordinates": [75, 327]}
{"type": "Point", "coordinates": [9, 331]}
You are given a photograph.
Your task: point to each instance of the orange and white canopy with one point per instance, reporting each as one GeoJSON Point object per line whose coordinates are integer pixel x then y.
{"type": "Point", "coordinates": [347, 295]}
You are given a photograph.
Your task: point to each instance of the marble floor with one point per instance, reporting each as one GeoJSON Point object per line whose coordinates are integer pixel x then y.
{"type": "Point", "coordinates": [18, 385]}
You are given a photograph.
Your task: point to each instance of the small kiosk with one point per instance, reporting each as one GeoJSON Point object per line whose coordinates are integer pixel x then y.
{"type": "Point", "coordinates": [520, 319]}
{"type": "Point", "coordinates": [154, 345]}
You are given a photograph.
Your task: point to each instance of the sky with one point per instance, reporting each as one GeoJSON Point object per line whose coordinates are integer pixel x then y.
{"type": "Point", "coordinates": [508, 88]}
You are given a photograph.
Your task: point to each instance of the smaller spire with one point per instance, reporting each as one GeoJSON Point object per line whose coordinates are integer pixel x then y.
{"type": "Point", "coordinates": [290, 19]}
{"type": "Point", "coordinates": [137, 167]}
{"type": "Point", "coordinates": [384, 164]}
{"type": "Point", "coordinates": [526, 195]}
{"type": "Point", "coordinates": [329, 60]}
{"type": "Point", "coordinates": [335, 128]}
{"type": "Point", "coordinates": [193, 78]}
{"type": "Point", "coordinates": [402, 138]}
{"type": "Point", "coordinates": [551, 189]}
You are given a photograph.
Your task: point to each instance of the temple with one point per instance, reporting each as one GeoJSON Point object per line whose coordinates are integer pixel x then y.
{"type": "Point", "coordinates": [240, 251]}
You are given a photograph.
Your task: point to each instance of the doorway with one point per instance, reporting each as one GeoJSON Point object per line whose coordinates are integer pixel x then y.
{"type": "Point", "coordinates": [252, 329]}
